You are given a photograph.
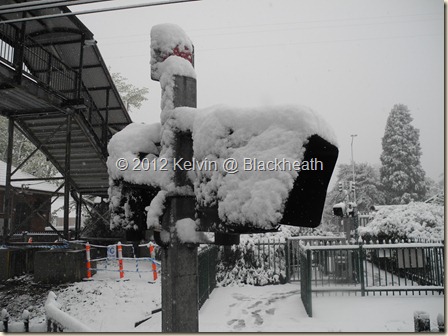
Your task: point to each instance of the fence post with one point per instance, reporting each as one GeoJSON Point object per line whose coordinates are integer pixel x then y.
{"type": "Point", "coordinates": [421, 321]}
{"type": "Point", "coordinates": [441, 322]}
{"type": "Point", "coordinates": [88, 265]}
{"type": "Point", "coordinates": [26, 320]}
{"type": "Point", "coordinates": [5, 319]}
{"type": "Point", "coordinates": [288, 274]}
{"type": "Point", "coordinates": [308, 285]}
{"type": "Point", "coordinates": [152, 254]}
{"type": "Point", "coordinates": [120, 260]}
{"type": "Point", "coordinates": [361, 269]}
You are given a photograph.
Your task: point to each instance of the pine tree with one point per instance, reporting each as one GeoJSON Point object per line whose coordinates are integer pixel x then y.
{"type": "Point", "coordinates": [402, 176]}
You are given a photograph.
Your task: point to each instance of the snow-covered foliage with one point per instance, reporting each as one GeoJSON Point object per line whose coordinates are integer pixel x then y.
{"type": "Point", "coordinates": [414, 220]}
{"type": "Point", "coordinates": [251, 263]}
{"type": "Point", "coordinates": [259, 259]}
{"type": "Point", "coordinates": [402, 175]}
{"type": "Point", "coordinates": [125, 148]}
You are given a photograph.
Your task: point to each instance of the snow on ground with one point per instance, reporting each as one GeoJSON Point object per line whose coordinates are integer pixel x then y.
{"type": "Point", "coordinates": [375, 313]}
{"type": "Point", "coordinates": [108, 304]}
{"type": "Point", "coordinates": [278, 308]}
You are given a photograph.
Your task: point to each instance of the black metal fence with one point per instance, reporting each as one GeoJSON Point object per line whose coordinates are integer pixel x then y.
{"type": "Point", "coordinates": [293, 247]}
{"type": "Point", "coordinates": [207, 260]}
{"type": "Point", "coordinates": [371, 269]}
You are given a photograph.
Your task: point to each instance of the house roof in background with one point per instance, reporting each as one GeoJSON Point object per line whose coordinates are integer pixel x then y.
{"type": "Point", "coordinates": [41, 186]}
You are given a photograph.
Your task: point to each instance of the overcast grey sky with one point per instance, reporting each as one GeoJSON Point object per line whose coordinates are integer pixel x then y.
{"type": "Point", "coordinates": [350, 60]}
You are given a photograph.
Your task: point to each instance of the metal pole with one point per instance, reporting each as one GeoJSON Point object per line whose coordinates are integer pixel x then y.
{"type": "Point", "coordinates": [67, 176]}
{"type": "Point", "coordinates": [180, 261]}
{"type": "Point", "coordinates": [353, 168]}
{"type": "Point", "coordinates": [7, 198]}
{"type": "Point", "coordinates": [78, 216]}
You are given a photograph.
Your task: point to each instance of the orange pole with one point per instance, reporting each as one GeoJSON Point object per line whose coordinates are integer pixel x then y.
{"type": "Point", "coordinates": [89, 272]}
{"type": "Point", "coordinates": [120, 260]}
{"type": "Point", "coordinates": [154, 266]}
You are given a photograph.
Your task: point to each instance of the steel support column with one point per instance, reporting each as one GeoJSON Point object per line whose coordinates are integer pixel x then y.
{"type": "Point", "coordinates": [19, 52]}
{"type": "Point", "coordinates": [67, 185]}
{"type": "Point", "coordinates": [78, 200]}
{"type": "Point", "coordinates": [81, 63]}
{"type": "Point", "coordinates": [7, 200]}
{"type": "Point", "coordinates": [105, 137]}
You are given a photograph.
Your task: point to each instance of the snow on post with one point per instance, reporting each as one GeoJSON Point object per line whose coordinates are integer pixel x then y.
{"type": "Point", "coordinates": [166, 40]}
{"type": "Point", "coordinates": [248, 136]}
{"type": "Point", "coordinates": [186, 232]}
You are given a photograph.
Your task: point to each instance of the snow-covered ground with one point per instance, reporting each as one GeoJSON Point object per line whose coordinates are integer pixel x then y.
{"type": "Point", "coordinates": [108, 305]}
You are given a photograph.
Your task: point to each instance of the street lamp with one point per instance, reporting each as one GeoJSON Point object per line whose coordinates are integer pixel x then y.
{"type": "Point", "coordinates": [353, 169]}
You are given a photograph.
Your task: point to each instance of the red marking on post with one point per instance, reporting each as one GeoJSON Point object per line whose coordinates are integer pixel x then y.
{"type": "Point", "coordinates": [186, 54]}
{"type": "Point", "coordinates": [120, 260]}
{"type": "Point", "coordinates": [89, 271]}
{"type": "Point", "coordinates": [154, 266]}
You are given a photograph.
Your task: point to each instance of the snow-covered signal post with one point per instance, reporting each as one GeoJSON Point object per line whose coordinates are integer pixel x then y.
{"type": "Point", "coordinates": [220, 169]}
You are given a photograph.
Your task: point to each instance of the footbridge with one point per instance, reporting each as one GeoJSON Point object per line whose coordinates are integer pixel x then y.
{"type": "Point", "coordinates": [56, 89]}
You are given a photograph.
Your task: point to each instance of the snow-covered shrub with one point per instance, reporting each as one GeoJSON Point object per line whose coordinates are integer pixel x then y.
{"type": "Point", "coordinates": [259, 259]}
{"type": "Point", "coordinates": [414, 220]}
{"type": "Point", "coordinates": [248, 263]}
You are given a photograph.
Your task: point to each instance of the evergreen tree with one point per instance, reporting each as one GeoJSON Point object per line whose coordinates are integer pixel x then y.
{"type": "Point", "coordinates": [402, 176]}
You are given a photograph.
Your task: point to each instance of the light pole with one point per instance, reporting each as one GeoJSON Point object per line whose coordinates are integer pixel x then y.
{"type": "Point", "coordinates": [353, 169]}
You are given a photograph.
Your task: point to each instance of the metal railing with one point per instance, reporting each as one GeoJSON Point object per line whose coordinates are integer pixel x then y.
{"type": "Point", "coordinates": [207, 260]}
{"type": "Point", "coordinates": [371, 269]}
{"type": "Point", "coordinates": [59, 321]}
{"type": "Point", "coordinates": [37, 63]}
{"type": "Point", "coordinates": [293, 247]}
{"type": "Point", "coordinates": [49, 70]}
{"type": "Point", "coordinates": [25, 318]}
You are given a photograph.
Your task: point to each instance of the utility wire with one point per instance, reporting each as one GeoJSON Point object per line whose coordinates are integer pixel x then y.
{"type": "Point", "coordinates": [30, 3]}
{"type": "Point", "coordinates": [47, 4]}
{"type": "Point", "coordinates": [91, 11]}
{"type": "Point", "coordinates": [255, 31]}
{"type": "Point", "coordinates": [291, 23]}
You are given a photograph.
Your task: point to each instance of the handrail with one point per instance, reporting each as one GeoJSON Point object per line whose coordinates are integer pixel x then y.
{"type": "Point", "coordinates": [57, 320]}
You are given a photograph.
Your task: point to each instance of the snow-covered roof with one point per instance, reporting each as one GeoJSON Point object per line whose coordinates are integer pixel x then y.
{"type": "Point", "coordinates": [42, 186]}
